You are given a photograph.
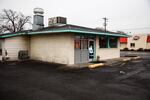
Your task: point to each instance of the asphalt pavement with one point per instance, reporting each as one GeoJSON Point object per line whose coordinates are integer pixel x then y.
{"type": "Point", "coordinates": [32, 80]}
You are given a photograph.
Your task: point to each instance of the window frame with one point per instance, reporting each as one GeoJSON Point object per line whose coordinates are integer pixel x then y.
{"type": "Point", "coordinates": [108, 42]}
{"type": "Point", "coordinates": [101, 41]}
{"type": "Point", "coordinates": [132, 45]}
{"type": "Point", "coordinates": [116, 42]}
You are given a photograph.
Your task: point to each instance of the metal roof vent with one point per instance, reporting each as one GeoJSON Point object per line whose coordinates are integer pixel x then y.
{"type": "Point", "coordinates": [38, 11]}
{"type": "Point", "coordinates": [38, 21]}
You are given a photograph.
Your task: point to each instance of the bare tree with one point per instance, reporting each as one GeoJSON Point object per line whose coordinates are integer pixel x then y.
{"type": "Point", "coordinates": [121, 32]}
{"type": "Point", "coordinates": [100, 28]}
{"type": "Point", "coordinates": [11, 21]}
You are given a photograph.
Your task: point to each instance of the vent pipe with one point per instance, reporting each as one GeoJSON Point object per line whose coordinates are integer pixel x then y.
{"type": "Point", "coordinates": [38, 19]}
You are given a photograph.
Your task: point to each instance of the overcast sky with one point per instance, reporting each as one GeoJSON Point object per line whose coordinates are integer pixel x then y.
{"type": "Point", "coordinates": [126, 15]}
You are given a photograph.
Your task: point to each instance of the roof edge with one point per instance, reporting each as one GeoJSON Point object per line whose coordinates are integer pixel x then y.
{"type": "Point", "coordinates": [78, 31]}
{"type": "Point", "coordinates": [62, 31]}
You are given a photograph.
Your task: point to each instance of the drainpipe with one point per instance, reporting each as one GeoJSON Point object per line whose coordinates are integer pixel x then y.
{"type": "Point", "coordinates": [108, 46]}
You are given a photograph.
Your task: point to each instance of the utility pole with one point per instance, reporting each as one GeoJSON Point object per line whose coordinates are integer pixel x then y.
{"type": "Point", "coordinates": [105, 23]}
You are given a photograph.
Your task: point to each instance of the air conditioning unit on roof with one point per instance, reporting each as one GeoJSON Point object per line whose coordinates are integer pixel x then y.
{"type": "Point", "coordinates": [57, 21]}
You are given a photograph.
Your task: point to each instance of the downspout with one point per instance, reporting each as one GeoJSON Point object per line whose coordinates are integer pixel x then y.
{"type": "Point", "coordinates": [108, 42]}
{"type": "Point", "coordinates": [95, 58]}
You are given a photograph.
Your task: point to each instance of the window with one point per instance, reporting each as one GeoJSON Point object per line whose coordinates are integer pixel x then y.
{"type": "Point", "coordinates": [77, 44]}
{"type": "Point", "coordinates": [84, 44]}
{"type": "Point", "coordinates": [103, 42]}
{"type": "Point", "coordinates": [113, 42]}
{"type": "Point", "coordinates": [132, 44]}
{"type": "Point", "coordinates": [108, 42]}
{"type": "Point", "coordinates": [81, 42]}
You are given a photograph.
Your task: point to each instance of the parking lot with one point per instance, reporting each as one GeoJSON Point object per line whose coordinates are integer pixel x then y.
{"type": "Point", "coordinates": [31, 80]}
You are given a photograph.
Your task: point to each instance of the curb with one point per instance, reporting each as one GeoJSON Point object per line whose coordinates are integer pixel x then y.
{"type": "Point", "coordinates": [135, 58]}
{"type": "Point", "coordinates": [92, 66]}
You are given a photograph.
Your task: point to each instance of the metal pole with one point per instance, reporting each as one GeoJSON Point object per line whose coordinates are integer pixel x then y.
{"type": "Point", "coordinates": [105, 23]}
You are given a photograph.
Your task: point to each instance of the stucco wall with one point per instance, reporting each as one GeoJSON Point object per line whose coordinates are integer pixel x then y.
{"type": "Point", "coordinates": [58, 48]}
{"type": "Point", "coordinates": [140, 43]}
{"type": "Point", "coordinates": [123, 45]}
{"type": "Point", "coordinates": [13, 45]}
{"type": "Point", "coordinates": [107, 53]}
{"type": "Point", "coordinates": [148, 46]}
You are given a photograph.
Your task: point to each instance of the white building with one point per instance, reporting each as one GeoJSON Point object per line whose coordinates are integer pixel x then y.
{"type": "Point", "coordinates": [135, 42]}
{"type": "Point", "coordinates": [60, 42]}
{"type": "Point", "coordinates": [66, 44]}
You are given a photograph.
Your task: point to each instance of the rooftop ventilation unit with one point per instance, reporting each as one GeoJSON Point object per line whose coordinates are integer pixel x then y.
{"type": "Point", "coordinates": [38, 21]}
{"type": "Point", "coordinates": [57, 21]}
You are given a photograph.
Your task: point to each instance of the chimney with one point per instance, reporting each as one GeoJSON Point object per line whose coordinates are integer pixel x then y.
{"type": "Point", "coordinates": [38, 19]}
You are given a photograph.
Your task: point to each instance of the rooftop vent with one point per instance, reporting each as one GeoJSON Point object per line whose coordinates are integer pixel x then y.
{"type": "Point", "coordinates": [38, 21]}
{"type": "Point", "coordinates": [57, 21]}
{"type": "Point", "coordinates": [38, 11]}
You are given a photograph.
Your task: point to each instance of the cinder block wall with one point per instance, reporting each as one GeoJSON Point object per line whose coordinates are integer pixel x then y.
{"type": "Point", "coordinates": [13, 45]}
{"type": "Point", "coordinates": [58, 48]}
{"type": "Point", "coordinates": [107, 53]}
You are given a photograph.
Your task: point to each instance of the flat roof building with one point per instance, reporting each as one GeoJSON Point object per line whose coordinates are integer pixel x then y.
{"type": "Point", "coordinates": [60, 42]}
{"type": "Point", "coordinates": [66, 44]}
{"type": "Point", "coordinates": [135, 42]}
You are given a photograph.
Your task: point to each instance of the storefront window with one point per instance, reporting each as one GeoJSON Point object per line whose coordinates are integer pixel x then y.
{"type": "Point", "coordinates": [113, 42]}
{"type": "Point", "coordinates": [77, 44]}
{"type": "Point", "coordinates": [103, 42]}
{"type": "Point", "coordinates": [84, 44]}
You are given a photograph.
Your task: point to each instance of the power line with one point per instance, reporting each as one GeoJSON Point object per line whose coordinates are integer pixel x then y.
{"type": "Point", "coordinates": [141, 28]}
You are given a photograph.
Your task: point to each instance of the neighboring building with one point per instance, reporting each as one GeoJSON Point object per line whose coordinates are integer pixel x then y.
{"type": "Point", "coordinates": [123, 42]}
{"type": "Point", "coordinates": [136, 42]}
{"type": "Point", "coordinates": [60, 42]}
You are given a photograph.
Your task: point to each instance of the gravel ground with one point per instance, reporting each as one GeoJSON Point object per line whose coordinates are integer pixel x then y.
{"type": "Point", "coordinates": [31, 80]}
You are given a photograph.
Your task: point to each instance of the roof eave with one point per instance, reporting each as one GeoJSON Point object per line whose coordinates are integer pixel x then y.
{"type": "Point", "coordinates": [78, 31]}
{"type": "Point", "coordinates": [12, 35]}
{"type": "Point", "coordinates": [62, 31]}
